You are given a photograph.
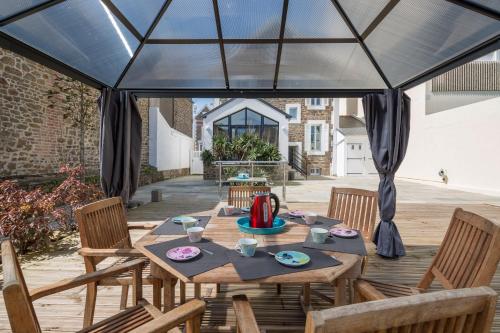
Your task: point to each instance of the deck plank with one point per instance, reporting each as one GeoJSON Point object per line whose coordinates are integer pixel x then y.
{"type": "Point", "coordinates": [422, 227]}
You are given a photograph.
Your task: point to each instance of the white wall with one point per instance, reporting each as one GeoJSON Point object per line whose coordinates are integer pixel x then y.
{"type": "Point", "coordinates": [256, 105]}
{"type": "Point", "coordinates": [465, 141]}
{"type": "Point", "coordinates": [169, 149]}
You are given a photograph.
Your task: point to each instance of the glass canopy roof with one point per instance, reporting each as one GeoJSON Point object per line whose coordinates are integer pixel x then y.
{"type": "Point", "coordinates": [330, 46]}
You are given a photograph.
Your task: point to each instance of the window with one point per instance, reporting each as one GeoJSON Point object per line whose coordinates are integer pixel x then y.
{"type": "Point", "coordinates": [315, 172]}
{"type": "Point", "coordinates": [316, 103]}
{"type": "Point", "coordinates": [294, 111]}
{"type": "Point", "coordinates": [315, 138]}
{"type": "Point", "coordinates": [248, 121]}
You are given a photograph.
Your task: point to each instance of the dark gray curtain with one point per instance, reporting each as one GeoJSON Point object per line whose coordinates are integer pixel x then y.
{"type": "Point", "coordinates": [120, 143]}
{"type": "Point", "coordinates": [388, 125]}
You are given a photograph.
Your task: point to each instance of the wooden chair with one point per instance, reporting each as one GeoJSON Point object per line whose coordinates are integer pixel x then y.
{"type": "Point", "coordinates": [356, 208]}
{"type": "Point", "coordinates": [240, 196]}
{"type": "Point", "coordinates": [104, 233]}
{"type": "Point", "coordinates": [467, 257]}
{"type": "Point", "coordinates": [142, 317]}
{"type": "Point", "coordinates": [461, 310]}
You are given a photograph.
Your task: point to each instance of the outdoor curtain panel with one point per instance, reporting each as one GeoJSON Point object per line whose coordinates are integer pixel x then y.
{"type": "Point", "coordinates": [120, 143]}
{"type": "Point", "coordinates": [388, 125]}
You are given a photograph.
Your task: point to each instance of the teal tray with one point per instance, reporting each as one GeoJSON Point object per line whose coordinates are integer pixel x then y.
{"type": "Point", "coordinates": [244, 226]}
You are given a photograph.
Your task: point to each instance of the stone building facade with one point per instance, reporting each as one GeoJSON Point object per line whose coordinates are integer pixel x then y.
{"type": "Point", "coordinates": [310, 112]}
{"type": "Point", "coordinates": [318, 162]}
{"type": "Point", "coordinates": [36, 137]}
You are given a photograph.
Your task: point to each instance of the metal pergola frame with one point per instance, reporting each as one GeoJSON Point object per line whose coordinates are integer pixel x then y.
{"type": "Point", "coordinates": [29, 52]}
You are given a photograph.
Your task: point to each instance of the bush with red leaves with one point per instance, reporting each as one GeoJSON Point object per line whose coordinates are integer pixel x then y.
{"type": "Point", "coordinates": [30, 218]}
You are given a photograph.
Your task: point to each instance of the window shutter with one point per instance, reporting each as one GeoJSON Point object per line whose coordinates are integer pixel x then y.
{"type": "Point", "coordinates": [307, 138]}
{"type": "Point", "coordinates": [324, 138]}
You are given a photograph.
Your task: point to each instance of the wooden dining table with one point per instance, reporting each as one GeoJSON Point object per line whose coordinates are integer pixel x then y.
{"type": "Point", "coordinates": [224, 231]}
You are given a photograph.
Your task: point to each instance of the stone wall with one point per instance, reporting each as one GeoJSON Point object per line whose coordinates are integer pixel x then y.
{"type": "Point", "coordinates": [178, 112]}
{"type": "Point", "coordinates": [36, 137]}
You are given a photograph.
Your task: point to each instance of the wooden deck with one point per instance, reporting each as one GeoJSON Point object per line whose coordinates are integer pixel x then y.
{"type": "Point", "coordinates": [422, 227]}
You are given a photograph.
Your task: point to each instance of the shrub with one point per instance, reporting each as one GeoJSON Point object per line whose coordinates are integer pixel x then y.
{"type": "Point", "coordinates": [30, 218]}
{"type": "Point", "coordinates": [247, 147]}
{"type": "Point", "coordinates": [207, 157]}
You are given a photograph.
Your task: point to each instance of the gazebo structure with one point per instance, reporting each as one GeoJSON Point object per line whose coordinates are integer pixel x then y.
{"type": "Point", "coordinates": [257, 48]}
{"type": "Point", "coordinates": [374, 49]}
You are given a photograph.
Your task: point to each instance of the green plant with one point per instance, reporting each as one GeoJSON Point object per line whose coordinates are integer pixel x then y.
{"type": "Point", "coordinates": [221, 147]}
{"type": "Point", "coordinates": [207, 157]}
{"type": "Point", "coordinates": [31, 217]}
{"type": "Point", "coordinates": [247, 147]}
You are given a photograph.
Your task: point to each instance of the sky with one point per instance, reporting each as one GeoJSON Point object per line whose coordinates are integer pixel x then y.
{"type": "Point", "coordinates": [201, 102]}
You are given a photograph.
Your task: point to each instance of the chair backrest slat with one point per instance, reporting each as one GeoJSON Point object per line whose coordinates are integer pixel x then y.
{"type": "Point", "coordinates": [240, 196]}
{"type": "Point", "coordinates": [22, 316]}
{"type": "Point", "coordinates": [468, 255]}
{"type": "Point", "coordinates": [356, 208]}
{"type": "Point", "coordinates": [103, 225]}
{"type": "Point", "coordinates": [458, 311]}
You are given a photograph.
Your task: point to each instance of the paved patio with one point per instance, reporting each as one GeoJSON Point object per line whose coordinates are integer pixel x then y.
{"type": "Point", "coordinates": [423, 216]}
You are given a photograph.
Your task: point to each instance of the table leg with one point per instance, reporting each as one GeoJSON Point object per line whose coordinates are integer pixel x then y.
{"type": "Point", "coordinates": [157, 293]}
{"type": "Point", "coordinates": [197, 291]}
{"type": "Point", "coordinates": [340, 292]}
{"type": "Point", "coordinates": [306, 294]}
{"type": "Point", "coordinates": [182, 288]}
{"type": "Point", "coordinates": [169, 293]}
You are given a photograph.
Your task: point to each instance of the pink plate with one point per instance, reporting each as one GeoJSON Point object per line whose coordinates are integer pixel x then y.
{"type": "Point", "coordinates": [183, 253]}
{"type": "Point", "coordinates": [296, 213]}
{"type": "Point", "coordinates": [344, 232]}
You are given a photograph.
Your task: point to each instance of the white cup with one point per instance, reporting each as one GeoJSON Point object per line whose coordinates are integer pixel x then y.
{"type": "Point", "coordinates": [195, 234]}
{"type": "Point", "coordinates": [310, 218]}
{"type": "Point", "coordinates": [319, 235]}
{"type": "Point", "coordinates": [246, 246]}
{"type": "Point", "coordinates": [229, 210]}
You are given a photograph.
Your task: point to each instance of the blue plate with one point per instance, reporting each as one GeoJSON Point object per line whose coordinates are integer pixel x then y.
{"type": "Point", "coordinates": [292, 258]}
{"type": "Point", "coordinates": [244, 226]}
{"type": "Point", "coordinates": [183, 218]}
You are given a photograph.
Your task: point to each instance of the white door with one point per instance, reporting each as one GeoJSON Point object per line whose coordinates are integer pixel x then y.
{"type": "Point", "coordinates": [359, 158]}
{"type": "Point", "coordinates": [355, 158]}
{"type": "Point", "coordinates": [196, 163]}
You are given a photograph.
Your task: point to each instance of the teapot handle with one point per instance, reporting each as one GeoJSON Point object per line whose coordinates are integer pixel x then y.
{"type": "Point", "coordinates": [276, 210]}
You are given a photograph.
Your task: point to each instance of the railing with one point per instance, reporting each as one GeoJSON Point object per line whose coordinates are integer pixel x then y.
{"type": "Point", "coordinates": [252, 164]}
{"type": "Point", "coordinates": [474, 76]}
{"type": "Point", "coordinates": [298, 162]}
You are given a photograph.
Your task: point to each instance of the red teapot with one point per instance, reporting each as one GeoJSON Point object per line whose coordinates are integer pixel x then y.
{"type": "Point", "coordinates": [261, 213]}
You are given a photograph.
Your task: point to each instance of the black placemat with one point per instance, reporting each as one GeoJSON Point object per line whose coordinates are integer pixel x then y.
{"type": "Point", "coordinates": [238, 213]}
{"type": "Point", "coordinates": [321, 221]}
{"type": "Point", "coordinates": [202, 263]}
{"type": "Point", "coordinates": [263, 265]}
{"type": "Point", "coordinates": [338, 244]}
{"type": "Point", "coordinates": [170, 228]}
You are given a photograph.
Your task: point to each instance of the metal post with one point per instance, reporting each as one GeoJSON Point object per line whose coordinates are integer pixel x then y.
{"type": "Point", "coordinates": [220, 180]}
{"type": "Point", "coordinates": [251, 172]}
{"type": "Point", "coordinates": [284, 181]}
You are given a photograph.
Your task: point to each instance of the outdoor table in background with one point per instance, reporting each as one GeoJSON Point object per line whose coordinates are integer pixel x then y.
{"type": "Point", "coordinates": [248, 181]}
{"type": "Point", "coordinates": [224, 231]}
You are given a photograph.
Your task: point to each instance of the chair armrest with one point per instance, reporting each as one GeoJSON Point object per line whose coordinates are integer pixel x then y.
{"type": "Point", "coordinates": [367, 291]}
{"type": "Point", "coordinates": [143, 226]}
{"type": "Point", "coordinates": [186, 312]}
{"type": "Point", "coordinates": [245, 318]}
{"type": "Point", "coordinates": [88, 252]}
{"type": "Point", "coordinates": [66, 284]}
